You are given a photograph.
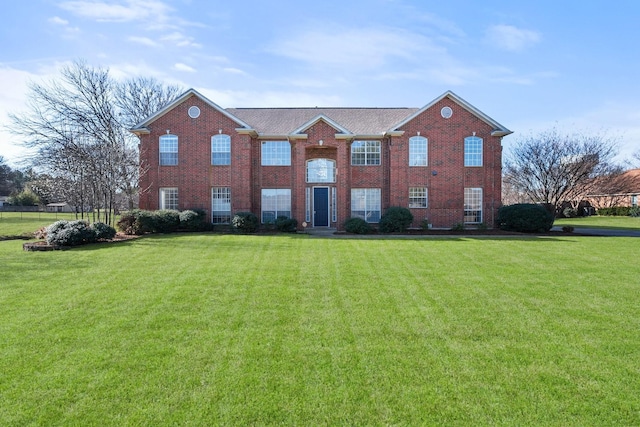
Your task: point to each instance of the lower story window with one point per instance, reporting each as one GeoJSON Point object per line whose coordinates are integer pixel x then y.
{"type": "Point", "coordinates": [417, 197]}
{"type": "Point", "coordinates": [473, 205]}
{"type": "Point", "coordinates": [275, 202]}
{"type": "Point", "coordinates": [365, 204]}
{"type": "Point", "coordinates": [221, 205]}
{"type": "Point", "coordinates": [168, 198]}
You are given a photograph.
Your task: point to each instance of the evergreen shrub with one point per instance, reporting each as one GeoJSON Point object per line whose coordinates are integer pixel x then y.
{"type": "Point", "coordinates": [525, 218]}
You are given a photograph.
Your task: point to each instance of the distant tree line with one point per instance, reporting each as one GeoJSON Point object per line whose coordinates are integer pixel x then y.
{"type": "Point", "coordinates": [77, 125]}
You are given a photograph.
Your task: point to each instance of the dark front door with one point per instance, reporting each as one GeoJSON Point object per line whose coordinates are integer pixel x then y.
{"type": "Point", "coordinates": [320, 206]}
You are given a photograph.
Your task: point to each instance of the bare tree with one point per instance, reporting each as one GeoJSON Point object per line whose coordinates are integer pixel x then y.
{"type": "Point", "coordinates": [78, 126]}
{"type": "Point", "coordinates": [555, 168]}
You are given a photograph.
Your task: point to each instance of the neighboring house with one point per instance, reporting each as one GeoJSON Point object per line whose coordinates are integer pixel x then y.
{"type": "Point", "coordinates": [3, 201]}
{"type": "Point", "coordinates": [60, 207]}
{"type": "Point", "coordinates": [323, 166]}
{"type": "Point", "coordinates": [622, 190]}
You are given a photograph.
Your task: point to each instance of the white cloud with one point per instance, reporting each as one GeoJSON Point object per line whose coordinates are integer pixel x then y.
{"type": "Point", "coordinates": [183, 67]}
{"type": "Point", "coordinates": [131, 10]}
{"type": "Point", "coordinates": [271, 99]}
{"type": "Point", "coordinates": [180, 40]}
{"type": "Point", "coordinates": [58, 21]}
{"type": "Point", "coordinates": [362, 47]}
{"type": "Point", "coordinates": [143, 41]}
{"type": "Point", "coordinates": [508, 37]}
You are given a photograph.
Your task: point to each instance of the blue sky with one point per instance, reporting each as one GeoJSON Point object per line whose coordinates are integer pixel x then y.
{"type": "Point", "coordinates": [530, 65]}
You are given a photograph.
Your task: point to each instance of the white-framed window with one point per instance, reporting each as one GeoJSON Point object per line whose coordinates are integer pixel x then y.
{"type": "Point", "coordinates": [221, 205]}
{"type": "Point", "coordinates": [221, 150]}
{"type": "Point", "coordinates": [321, 170]}
{"type": "Point", "coordinates": [307, 212]}
{"type": "Point", "coordinates": [472, 205]}
{"type": "Point", "coordinates": [275, 153]}
{"type": "Point", "coordinates": [418, 197]}
{"type": "Point", "coordinates": [275, 202]}
{"type": "Point", "coordinates": [418, 151]}
{"type": "Point", "coordinates": [634, 200]}
{"type": "Point", "coordinates": [473, 151]}
{"type": "Point", "coordinates": [168, 198]}
{"type": "Point", "coordinates": [168, 150]}
{"type": "Point", "coordinates": [365, 153]}
{"type": "Point", "coordinates": [365, 204]}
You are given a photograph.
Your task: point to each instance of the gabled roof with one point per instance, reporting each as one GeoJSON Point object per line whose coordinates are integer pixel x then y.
{"type": "Point", "coordinates": [285, 122]}
{"type": "Point", "coordinates": [141, 127]}
{"type": "Point", "coordinates": [498, 129]}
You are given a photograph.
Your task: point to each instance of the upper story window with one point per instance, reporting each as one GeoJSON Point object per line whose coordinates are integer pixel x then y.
{"type": "Point", "coordinates": [365, 153]}
{"type": "Point", "coordinates": [418, 151]}
{"type": "Point", "coordinates": [168, 150]}
{"type": "Point", "coordinates": [276, 153]}
{"type": "Point", "coordinates": [321, 170]}
{"type": "Point", "coordinates": [221, 150]}
{"type": "Point", "coordinates": [473, 151]}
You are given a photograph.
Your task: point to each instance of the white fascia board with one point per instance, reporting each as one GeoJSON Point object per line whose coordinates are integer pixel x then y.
{"type": "Point", "coordinates": [140, 127]}
{"type": "Point", "coordinates": [316, 119]}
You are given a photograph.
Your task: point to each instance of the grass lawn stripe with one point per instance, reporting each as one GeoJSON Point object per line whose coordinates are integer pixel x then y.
{"type": "Point", "coordinates": [263, 330]}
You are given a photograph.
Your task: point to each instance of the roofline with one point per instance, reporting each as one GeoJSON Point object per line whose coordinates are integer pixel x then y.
{"type": "Point", "coordinates": [499, 130]}
{"type": "Point", "coordinates": [141, 128]}
{"type": "Point", "coordinates": [324, 118]}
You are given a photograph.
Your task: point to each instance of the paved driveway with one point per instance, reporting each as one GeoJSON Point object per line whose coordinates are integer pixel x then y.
{"type": "Point", "coordinates": [603, 232]}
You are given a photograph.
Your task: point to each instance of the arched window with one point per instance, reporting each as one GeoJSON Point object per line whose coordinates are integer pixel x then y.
{"type": "Point", "coordinates": [418, 151]}
{"type": "Point", "coordinates": [221, 150]}
{"type": "Point", "coordinates": [168, 150]}
{"type": "Point", "coordinates": [321, 170]}
{"type": "Point", "coordinates": [473, 151]}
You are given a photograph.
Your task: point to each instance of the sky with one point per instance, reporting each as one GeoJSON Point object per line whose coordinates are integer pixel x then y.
{"type": "Point", "coordinates": [530, 65]}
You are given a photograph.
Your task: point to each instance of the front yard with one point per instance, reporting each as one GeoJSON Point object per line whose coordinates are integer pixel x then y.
{"type": "Point", "coordinates": [205, 329]}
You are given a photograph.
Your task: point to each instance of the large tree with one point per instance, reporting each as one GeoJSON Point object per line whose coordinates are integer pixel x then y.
{"type": "Point", "coordinates": [554, 168]}
{"type": "Point", "coordinates": [78, 125]}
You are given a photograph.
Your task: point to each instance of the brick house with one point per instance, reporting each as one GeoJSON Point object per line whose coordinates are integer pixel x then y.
{"type": "Point", "coordinates": [323, 166]}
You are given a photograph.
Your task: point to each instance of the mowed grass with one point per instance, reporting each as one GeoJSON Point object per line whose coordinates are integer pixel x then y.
{"type": "Point", "coordinates": [19, 223]}
{"type": "Point", "coordinates": [610, 222]}
{"type": "Point", "coordinates": [211, 329]}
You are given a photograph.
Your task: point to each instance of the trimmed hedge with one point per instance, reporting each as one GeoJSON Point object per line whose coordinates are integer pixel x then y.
{"type": "Point", "coordinates": [525, 218]}
{"type": "Point", "coordinates": [396, 220]}
{"type": "Point", "coordinates": [245, 222]}
{"type": "Point", "coordinates": [357, 226]}
{"type": "Point", "coordinates": [103, 231]}
{"type": "Point", "coordinates": [286, 225]}
{"type": "Point", "coordinates": [70, 233]}
{"type": "Point", "coordinates": [615, 211]}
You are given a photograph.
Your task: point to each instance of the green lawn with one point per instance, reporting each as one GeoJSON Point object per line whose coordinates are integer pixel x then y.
{"type": "Point", "coordinates": [212, 329]}
{"type": "Point", "coordinates": [613, 222]}
{"type": "Point", "coordinates": [18, 223]}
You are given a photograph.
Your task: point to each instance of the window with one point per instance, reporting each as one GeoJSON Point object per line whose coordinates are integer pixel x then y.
{"type": "Point", "coordinates": [417, 151]}
{"type": "Point", "coordinates": [473, 205]}
{"type": "Point", "coordinates": [221, 150]}
{"type": "Point", "coordinates": [365, 153]}
{"type": "Point", "coordinates": [275, 203]}
{"type": "Point", "coordinates": [321, 170]}
{"type": "Point", "coordinates": [473, 151]}
{"type": "Point", "coordinates": [334, 205]}
{"type": "Point", "coordinates": [634, 200]}
{"type": "Point", "coordinates": [365, 204]}
{"type": "Point", "coordinates": [221, 205]}
{"type": "Point", "coordinates": [169, 198]}
{"type": "Point", "coordinates": [417, 197]}
{"type": "Point", "coordinates": [276, 153]}
{"type": "Point", "coordinates": [168, 150]}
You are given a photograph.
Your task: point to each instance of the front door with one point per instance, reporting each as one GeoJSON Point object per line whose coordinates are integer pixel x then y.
{"type": "Point", "coordinates": [320, 206]}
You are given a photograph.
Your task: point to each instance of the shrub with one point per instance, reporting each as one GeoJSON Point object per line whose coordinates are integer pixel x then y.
{"type": "Point", "coordinates": [286, 225]}
{"type": "Point", "coordinates": [570, 213]}
{"type": "Point", "coordinates": [103, 231]}
{"type": "Point", "coordinates": [525, 217]}
{"type": "Point", "coordinates": [194, 220]}
{"type": "Point", "coordinates": [70, 233]}
{"type": "Point", "coordinates": [396, 219]}
{"type": "Point", "coordinates": [245, 222]}
{"type": "Point", "coordinates": [357, 226]}
{"type": "Point", "coordinates": [634, 211]}
{"type": "Point", "coordinates": [568, 229]}
{"type": "Point", "coordinates": [424, 224]}
{"type": "Point", "coordinates": [166, 221]}
{"type": "Point", "coordinates": [615, 211]}
{"type": "Point", "coordinates": [458, 226]}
